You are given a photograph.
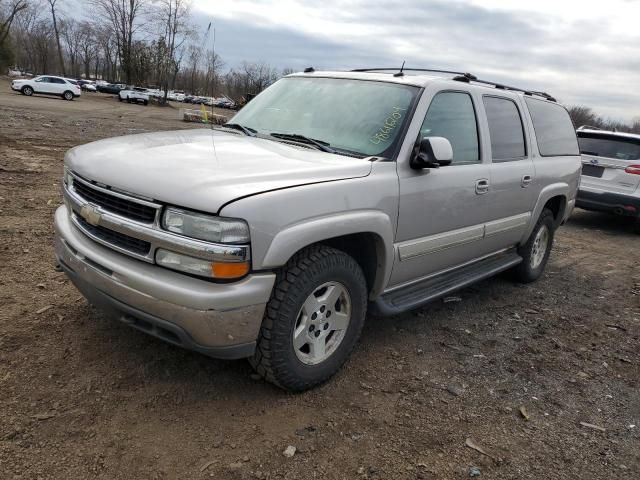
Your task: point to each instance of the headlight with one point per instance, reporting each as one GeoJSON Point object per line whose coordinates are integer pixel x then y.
{"type": "Point", "coordinates": [205, 227]}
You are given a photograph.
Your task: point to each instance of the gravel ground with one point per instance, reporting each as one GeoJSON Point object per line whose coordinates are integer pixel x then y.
{"type": "Point", "coordinates": [537, 381]}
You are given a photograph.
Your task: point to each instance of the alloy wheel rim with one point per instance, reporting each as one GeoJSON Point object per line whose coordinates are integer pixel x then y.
{"type": "Point", "coordinates": [322, 323]}
{"type": "Point", "coordinates": [540, 245]}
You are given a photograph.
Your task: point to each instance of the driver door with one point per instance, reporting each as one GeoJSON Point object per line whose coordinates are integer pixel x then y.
{"type": "Point", "coordinates": [443, 210]}
{"type": "Point", "coordinates": [42, 85]}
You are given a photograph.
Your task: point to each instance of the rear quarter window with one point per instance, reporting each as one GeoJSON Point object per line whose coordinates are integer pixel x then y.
{"type": "Point", "coordinates": [555, 134]}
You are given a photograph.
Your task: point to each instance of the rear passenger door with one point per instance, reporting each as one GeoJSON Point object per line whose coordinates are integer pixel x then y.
{"type": "Point", "coordinates": [512, 172]}
{"type": "Point", "coordinates": [58, 86]}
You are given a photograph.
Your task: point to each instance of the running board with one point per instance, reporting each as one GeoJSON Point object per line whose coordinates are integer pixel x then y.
{"type": "Point", "coordinates": [425, 291]}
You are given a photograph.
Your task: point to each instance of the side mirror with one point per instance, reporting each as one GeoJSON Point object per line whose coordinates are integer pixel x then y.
{"type": "Point", "coordinates": [432, 152]}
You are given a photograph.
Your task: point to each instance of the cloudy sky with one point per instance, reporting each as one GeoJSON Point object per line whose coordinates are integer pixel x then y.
{"type": "Point", "coordinates": [584, 52]}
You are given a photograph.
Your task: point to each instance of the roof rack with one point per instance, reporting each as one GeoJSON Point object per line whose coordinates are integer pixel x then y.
{"type": "Point", "coordinates": [459, 77]}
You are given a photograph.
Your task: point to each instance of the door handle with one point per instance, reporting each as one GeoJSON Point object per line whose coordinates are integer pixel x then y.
{"type": "Point", "coordinates": [526, 181]}
{"type": "Point", "coordinates": [482, 186]}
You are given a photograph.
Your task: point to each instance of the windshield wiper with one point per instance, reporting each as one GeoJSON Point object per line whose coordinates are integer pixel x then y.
{"type": "Point", "coordinates": [250, 132]}
{"type": "Point", "coordinates": [320, 144]}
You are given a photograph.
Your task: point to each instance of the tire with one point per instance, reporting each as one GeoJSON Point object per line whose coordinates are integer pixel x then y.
{"type": "Point", "coordinates": [315, 275]}
{"type": "Point", "coordinates": [145, 102]}
{"type": "Point", "coordinates": [119, 98]}
{"type": "Point", "coordinates": [67, 95]}
{"type": "Point", "coordinates": [27, 90]}
{"type": "Point", "coordinates": [534, 260]}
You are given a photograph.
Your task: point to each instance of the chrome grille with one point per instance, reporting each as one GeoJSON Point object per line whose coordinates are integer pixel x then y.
{"type": "Point", "coordinates": [115, 239]}
{"type": "Point", "coordinates": [115, 202]}
{"type": "Point", "coordinates": [124, 222]}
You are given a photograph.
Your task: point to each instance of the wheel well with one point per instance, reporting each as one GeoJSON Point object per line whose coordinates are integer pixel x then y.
{"type": "Point", "coordinates": [557, 205]}
{"type": "Point", "coordinates": [367, 249]}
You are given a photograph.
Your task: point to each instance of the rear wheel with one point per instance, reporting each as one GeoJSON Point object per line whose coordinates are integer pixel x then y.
{"type": "Point", "coordinates": [535, 253]}
{"type": "Point", "coordinates": [27, 90]}
{"type": "Point", "coordinates": [313, 319]}
{"type": "Point", "coordinates": [67, 95]}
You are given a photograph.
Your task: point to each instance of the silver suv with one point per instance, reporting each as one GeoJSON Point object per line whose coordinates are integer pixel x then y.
{"type": "Point", "coordinates": [330, 195]}
{"type": "Point", "coordinates": [610, 172]}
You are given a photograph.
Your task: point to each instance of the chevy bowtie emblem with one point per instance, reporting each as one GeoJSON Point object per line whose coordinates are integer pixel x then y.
{"type": "Point", "coordinates": [90, 214]}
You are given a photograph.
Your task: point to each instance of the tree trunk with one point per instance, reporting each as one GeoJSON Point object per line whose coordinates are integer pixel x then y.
{"type": "Point", "coordinates": [55, 29]}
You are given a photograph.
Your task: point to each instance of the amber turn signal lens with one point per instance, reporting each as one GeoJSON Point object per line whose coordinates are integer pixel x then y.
{"type": "Point", "coordinates": [229, 270]}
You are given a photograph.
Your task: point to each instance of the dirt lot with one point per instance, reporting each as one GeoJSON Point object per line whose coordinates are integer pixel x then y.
{"type": "Point", "coordinates": [84, 397]}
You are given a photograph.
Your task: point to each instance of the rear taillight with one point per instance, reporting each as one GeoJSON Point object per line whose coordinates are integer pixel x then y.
{"type": "Point", "coordinates": [633, 169]}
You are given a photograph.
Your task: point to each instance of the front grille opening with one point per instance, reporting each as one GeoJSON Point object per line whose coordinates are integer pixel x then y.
{"type": "Point", "coordinates": [117, 205]}
{"type": "Point", "coordinates": [116, 239]}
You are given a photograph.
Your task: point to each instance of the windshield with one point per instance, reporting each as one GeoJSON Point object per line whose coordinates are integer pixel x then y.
{"type": "Point", "coordinates": [600, 145]}
{"type": "Point", "coordinates": [356, 116]}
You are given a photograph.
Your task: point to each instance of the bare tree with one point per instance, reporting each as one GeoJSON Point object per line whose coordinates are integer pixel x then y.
{"type": "Point", "coordinates": [124, 17]}
{"type": "Point", "coordinates": [52, 5]}
{"type": "Point", "coordinates": [7, 16]}
{"type": "Point", "coordinates": [173, 17]}
{"type": "Point", "coordinates": [73, 38]}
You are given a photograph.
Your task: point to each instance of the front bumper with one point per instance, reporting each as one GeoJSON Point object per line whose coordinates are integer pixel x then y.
{"type": "Point", "coordinates": [619, 204]}
{"type": "Point", "coordinates": [219, 320]}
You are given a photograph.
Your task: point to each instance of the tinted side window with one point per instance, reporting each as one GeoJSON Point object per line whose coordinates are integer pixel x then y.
{"type": "Point", "coordinates": [56, 80]}
{"type": "Point", "coordinates": [555, 134]}
{"type": "Point", "coordinates": [451, 115]}
{"type": "Point", "coordinates": [505, 129]}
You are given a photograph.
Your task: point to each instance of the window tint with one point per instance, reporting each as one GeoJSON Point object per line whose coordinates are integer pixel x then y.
{"type": "Point", "coordinates": [505, 129]}
{"type": "Point", "coordinates": [55, 80]}
{"type": "Point", "coordinates": [602, 145]}
{"type": "Point", "coordinates": [451, 115]}
{"type": "Point", "coordinates": [555, 134]}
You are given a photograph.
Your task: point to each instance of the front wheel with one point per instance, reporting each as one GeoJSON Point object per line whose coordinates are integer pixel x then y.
{"type": "Point", "coordinates": [28, 91]}
{"type": "Point", "coordinates": [313, 319]}
{"type": "Point", "coordinates": [535, 253]}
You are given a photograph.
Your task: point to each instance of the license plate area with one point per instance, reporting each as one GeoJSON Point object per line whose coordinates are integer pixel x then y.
{"type": "Point", "coordinates": [592, 170]}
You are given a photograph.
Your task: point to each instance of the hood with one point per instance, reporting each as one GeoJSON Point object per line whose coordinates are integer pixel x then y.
{"type": "Point", "coordinates": [203, 169]}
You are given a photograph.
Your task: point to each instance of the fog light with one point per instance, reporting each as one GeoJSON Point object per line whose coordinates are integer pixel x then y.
{"type": "Point", "coordinates": [200, 267]}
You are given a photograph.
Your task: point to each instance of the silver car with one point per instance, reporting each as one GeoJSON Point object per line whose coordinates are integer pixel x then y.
{"type": "Point", "coordinates": [610, 172]}
{"type": "Point", "coordinates": [328, 196]}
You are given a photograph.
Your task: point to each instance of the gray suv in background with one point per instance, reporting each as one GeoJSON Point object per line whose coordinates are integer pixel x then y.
{"type": "Point", "coordinates": [330, 195]}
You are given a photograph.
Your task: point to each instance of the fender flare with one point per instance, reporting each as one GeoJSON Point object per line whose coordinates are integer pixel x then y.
{"type": "Point", "coordinates": [300, 235]}
{"type": "Point", "coordinates": [559, 189]}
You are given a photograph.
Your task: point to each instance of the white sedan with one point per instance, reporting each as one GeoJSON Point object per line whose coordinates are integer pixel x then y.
{"type": "Point", "coordinates": [48, 85]}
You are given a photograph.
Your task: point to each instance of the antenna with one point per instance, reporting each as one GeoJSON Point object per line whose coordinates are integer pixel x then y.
{"type": "Point", "coordinates": [400, 74]}
{"type": "Point", "coordinates": [213, 51]}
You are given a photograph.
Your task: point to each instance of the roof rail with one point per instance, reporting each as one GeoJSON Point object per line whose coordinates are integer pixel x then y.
{"type": "Point", "coordinates": [461, 77]}
{"type": "Point", "coordinates": [589, 127]}
{"type": "Point", "coordinates": [385, 69]}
